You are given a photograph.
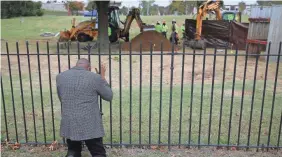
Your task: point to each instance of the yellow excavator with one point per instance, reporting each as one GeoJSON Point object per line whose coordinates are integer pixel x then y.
{"type": "Point", "coordinates": [211, 6]}
{"type": "Point", "coordinates": [84, 31]}
{"type": "Point", "coordinates": [203, 9]}
{"type": "Point", "coordinates": [123, 33]}
{"type": "Point", "coordinates": [87, 30]}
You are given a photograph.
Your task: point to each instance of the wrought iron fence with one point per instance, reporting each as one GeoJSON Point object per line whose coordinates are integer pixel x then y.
{"type": "Point", "coordinates": [212, 97]}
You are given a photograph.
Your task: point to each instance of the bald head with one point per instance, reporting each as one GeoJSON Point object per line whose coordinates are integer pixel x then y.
{"type": "Point", "coordinates": [84, 63]}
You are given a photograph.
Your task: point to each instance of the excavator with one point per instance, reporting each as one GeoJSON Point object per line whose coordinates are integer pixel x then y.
{"type": "Point", "coordinates": [203, 9]}
{"type": "Point", "coordinates": [211, 6]}
{"type": "Point", "coordinates": [86, 30]}
{"type": "Point", "coordinates": [123, 33]}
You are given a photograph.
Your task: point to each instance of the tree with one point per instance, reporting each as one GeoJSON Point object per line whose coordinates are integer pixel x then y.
{"type": "Point", "coordinates": [189, 6]}
{"type": "Point", "coordinates": [162, 10]}
{"type": "Point", "coordinates": [146, 6]}
{"type": "Point", "coordinates": [124, 10]}
{"type": "Point", "coordinates": [74, 6]}
{"type": "Point", "coordinates": [11, 9]}
{"type": "Point", "coordinates": [103, 38]}
{"type": "Point", "coordinates": [183, 7]}
{"type": "Point", "coordinates": [154, 10]}
{"type": "Point", "coordinates": [91, 6]}
{"type": "Point", "coordinates": [242, 6]}
{"type": "Point", "coordinates": [177, 6]}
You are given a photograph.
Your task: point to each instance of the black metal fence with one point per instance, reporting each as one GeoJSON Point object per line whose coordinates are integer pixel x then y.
{"type": "Point", "coordinates": [211, 97]}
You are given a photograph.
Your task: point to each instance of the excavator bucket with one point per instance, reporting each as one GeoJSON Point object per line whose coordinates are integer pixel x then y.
{"type": "Point", "coordinates": [149, 28]}
{"type": "Point", "coordinates": [197, 44]}
{"type": "Point", "coordinates": [64, 36]}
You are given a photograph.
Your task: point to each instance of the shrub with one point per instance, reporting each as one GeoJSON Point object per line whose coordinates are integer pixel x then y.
{"type": "Point", "coordinates": [39, 12]}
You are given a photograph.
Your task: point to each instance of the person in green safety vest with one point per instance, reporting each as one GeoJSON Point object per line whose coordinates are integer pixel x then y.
{"type": "Point", "coordinates": [109, 31]}
{"type": "Point", "coordinates": [183, 30]}
{"type": "Point", "coordinates": [164, 29]}
{"type": "Point", "coordinates": [174, 32]}
{"type": "Point", "coordinates": [158, 27]}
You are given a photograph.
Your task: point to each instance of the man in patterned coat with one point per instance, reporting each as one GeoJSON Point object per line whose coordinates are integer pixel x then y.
{"type": "Point", "coordinates": [78, 90]}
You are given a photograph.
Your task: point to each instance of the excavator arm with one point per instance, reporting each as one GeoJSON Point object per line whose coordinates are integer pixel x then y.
{"type": "Point", "coordinates": [202, 12]}
{"type": "Point", "coordinates": [208, 6]}
{"type": "Point", "coordinates": [135, 14]}
{"type": "Point", "coordinates": [123, 33]}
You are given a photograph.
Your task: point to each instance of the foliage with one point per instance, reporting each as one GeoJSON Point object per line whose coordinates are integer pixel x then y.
{"type": "Point", "coordinates": [184, 7]}
{"type": "Point", "coordinates": [177, 6]}
{"type": "Point", "coordinates": [39, 12]}
{"type": "Point", "coordinates": [74, 6]}
{"type": "Point", "coordinates": [91, 6]}
{"type": "Point", "coordinates": [124, 10]}
{"type": "Point", "coordinates": [146, 6]}
{"type": "Point", "coordinates": [242, 6]}
{"type": "Point", "coordinates": [162, 10]}
{"type": "Point", "coordinates": [11, 9]}
{"type": "Point", "coordinates": [154, 10]}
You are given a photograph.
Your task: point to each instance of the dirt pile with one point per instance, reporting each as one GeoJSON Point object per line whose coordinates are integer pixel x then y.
{"type": "Point", "coordinates": [146, 38]}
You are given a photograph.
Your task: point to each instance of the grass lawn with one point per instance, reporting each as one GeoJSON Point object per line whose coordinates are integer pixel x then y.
{"type": "Point", "coordinates": [145, 125]}
{"type": "Point", "coordinates": [129, 152]}
{"type": "Point", "coordinates": [31, 27]}
{"type": "Point", "coordinates": [147, 128]}
{"type": "Point", "coordinates": [123, 128]}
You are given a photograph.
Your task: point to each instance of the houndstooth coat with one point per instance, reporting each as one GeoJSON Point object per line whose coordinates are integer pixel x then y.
{"type": "Point", "coordinates": [78, 91]}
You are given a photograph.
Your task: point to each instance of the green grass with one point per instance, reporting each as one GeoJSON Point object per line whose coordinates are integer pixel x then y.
{"type": "Point", "coordinates": [32, 27]}
{"type": "Point", "coordinates": [129, 152]}
{"type": "Point", "coordinates": [56, 13]}
{"type": "Point", "coordinates": [155, 111]}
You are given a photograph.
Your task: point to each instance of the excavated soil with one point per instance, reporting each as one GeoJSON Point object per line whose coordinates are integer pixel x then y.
{"type": "Point", "coordinates": [146, 38]}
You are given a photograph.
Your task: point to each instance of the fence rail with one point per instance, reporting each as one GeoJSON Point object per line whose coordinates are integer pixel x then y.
{"type": "Point", "coordinates": [211, 97]}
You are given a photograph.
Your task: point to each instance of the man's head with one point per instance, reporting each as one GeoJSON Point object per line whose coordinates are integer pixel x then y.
{"type": "Point", "coordinates": [173, 21]}
{"type": "Point", "coordinates": [158, 22]}
{"type": "Point", "coordinates": [84, 63]}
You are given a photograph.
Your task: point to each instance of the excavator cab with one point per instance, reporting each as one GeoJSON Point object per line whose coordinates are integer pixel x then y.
{"type": "Point", "coordinates": [113, 17]}
{"type": "Point", "coordinates": [231, 16]}
{"type": "Point", "coordinates": [114, 22]}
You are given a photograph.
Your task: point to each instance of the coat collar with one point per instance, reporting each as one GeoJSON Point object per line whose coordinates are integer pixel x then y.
{"type": "Point", "coordinates": [78, 68]}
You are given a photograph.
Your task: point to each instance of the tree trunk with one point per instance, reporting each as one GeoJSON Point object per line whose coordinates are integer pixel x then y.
{"type": "Point", "coordinates": [186, 8]}
{"type": "Point", "coordinates": [103, 38]}
{"type": "Point", "coordinates": [148, 8]}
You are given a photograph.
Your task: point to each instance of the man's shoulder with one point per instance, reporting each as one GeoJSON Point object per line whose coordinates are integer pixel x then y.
{"type": "Point", "coordinates": [63, 73]}
{"type": "Point", "coordinates": [75, 72]}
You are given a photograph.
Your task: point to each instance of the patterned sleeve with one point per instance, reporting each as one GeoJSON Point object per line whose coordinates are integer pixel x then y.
{"type": "Point", "coordinates": [103, 89]}
{"type": "Point", "coordinates": [57, 85]}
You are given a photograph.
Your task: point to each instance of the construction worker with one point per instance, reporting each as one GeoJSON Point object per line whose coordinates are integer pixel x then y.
{"type": "Point", "coordinates": [109, 31]}
{"type": "Point", "coordinates": [164, 29]}
{"type": "Point", "coordinates": [183, 30]}
{"type": "Point", "coordinates": [174, 34]}
{"type": "Point", "coordinates": [158, 27]}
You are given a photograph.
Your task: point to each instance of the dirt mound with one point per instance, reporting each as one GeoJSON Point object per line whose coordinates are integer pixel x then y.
{"type": "Point", "coordinates": [146, 38]}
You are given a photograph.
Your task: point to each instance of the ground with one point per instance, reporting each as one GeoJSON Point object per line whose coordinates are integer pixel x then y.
{"type": "Point", "coordinates": [30, 28]}
{"type": "Point", "coordinates": [129, 152]}
{"type": "Point", "coordinates": [157, 127]}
